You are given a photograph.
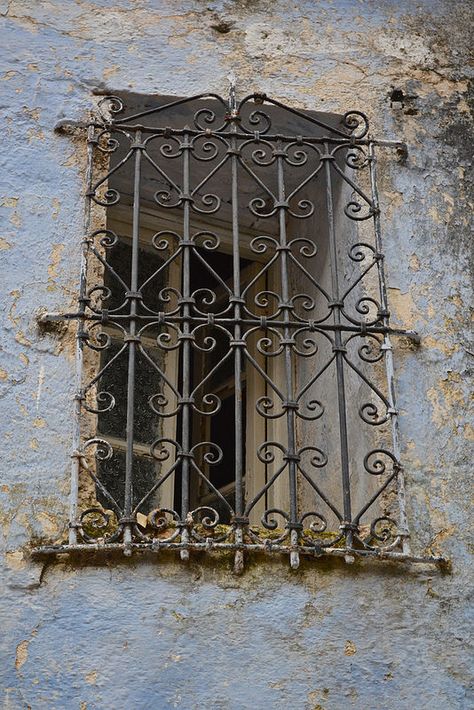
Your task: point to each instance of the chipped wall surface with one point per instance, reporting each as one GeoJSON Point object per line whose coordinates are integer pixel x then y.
{"type": "Point", "coordinates": [153, 633]}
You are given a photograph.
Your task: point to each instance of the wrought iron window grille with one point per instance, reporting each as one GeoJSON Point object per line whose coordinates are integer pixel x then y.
{"type": "Point", "coordinates": [235, 386]}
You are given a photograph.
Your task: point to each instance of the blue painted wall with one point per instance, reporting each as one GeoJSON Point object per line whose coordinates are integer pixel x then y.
{"type": "Point", "coordinates": [153, 633]}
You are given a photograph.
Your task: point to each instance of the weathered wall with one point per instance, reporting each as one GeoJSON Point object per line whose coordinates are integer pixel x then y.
{"type": "Point", "coordinates": [145, 634]}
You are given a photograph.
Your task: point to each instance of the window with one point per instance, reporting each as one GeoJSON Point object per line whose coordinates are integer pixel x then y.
{"type": "Point", "coordinates": [235, 378]}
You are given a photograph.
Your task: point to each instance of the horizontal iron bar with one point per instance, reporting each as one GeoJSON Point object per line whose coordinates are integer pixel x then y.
{"type": "Point", "coordinates": [344, 552]}
{"type": "Point", "coordinates": [70, 126]}
{"type": "Point", "coordinates": [274, 137]}
{"type": "Point", "coordinates": [60, 317]}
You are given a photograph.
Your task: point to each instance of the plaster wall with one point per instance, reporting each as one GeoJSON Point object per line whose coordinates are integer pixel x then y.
{"type": "Point", "coordinates": [155, 633]}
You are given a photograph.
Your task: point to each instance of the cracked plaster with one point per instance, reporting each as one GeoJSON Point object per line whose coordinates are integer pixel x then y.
{"type": "Point", "coordinates": [134, 633]}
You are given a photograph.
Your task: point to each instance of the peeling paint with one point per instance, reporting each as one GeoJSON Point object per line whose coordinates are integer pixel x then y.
{"type": "Point", "coordinates": [49, 525]}
{"type": "Point", "coordinates": [38, 393]}
{"type": "Point", "coordinates": [286, 633]}
{"type": "Point", "coordinates": [15, 560]}
{"type": "Point", "coordinates": [446, 398]}
{"type": "Point", "coordinates": [403, 307]}
{"type": "Point", "coordinates": [414, 263]}
{"type": "Point", "coordinates": [21, 654]}
{"type": "Point", "coordinates": [350, 648]}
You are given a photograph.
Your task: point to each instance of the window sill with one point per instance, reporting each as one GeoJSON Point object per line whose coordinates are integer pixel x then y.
{"type": "Point", "coordinates": [348, 555]}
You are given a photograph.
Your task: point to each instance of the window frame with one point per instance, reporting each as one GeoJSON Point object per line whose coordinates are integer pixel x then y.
{"type": "Point", "coordinates": [353, 138]}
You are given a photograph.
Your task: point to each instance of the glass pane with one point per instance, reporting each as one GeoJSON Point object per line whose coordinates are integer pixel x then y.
{"type": "Point", "coordinates": [112, 475]}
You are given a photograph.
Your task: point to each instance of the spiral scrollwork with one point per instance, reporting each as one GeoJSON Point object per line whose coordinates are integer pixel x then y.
{"type": "Point", "coordinates": [375, 464]}
{"type": "Point", "coordinates": [96, 339]}
{"type": "Point", "coordinates": [95, 518]}
{"type": "Point", "coordinates": [205, 342]}
{"type": "Point", "coordinates": [384, 530]}
{"type": "Point", "coordinates": [213, 456]}
{"type": "Point", "coordinates": [264, 299]}
{"type": "Point", "coordinates": [96, 296]}
{"type": "Point", "coordinates": [206, 118]}
{"type": "Point", "coordinates": [110, 197]}
{"type": "Point", "coordinates": [205, 525]}
{"type": "Point", "coordinates": [207, 240]}
{"type": "Point", "coordinates": [210, 203]}
{"type": "Point", "coordinates": [313, 409]}
{"type": "Point", "coordinates": [305, 209]}
{"type": "Point", "coordinates": [269, 522]}
{"type": "Point", "coordinates": [265, 406]}
{"type": "Point", "coordinates": [105, 142]}
{"type": "Point", "coordinates": [265, 453]}
{"type": "Point", "coordinates": [355, 210]}
{"type": "Point", "coordinates": [161, 519]}
{"type": "Point", "coordinates": [356, 158]}
{"type": "Point", "coordinates": [305, 346]}
{"type": "Point", "coordinates": [257, 120]}
{"type": "Point", "coordinates": [371, 351]}
{"type": "Point", "coordinates": [357, 123]}
{"type": "Point", "coordinates": [210, 404]}
{"type": "Point", "coordinates": [163, 198]}
{"type": "Point", "coordinates": [204, 299]}
{"type": "Point", "coordinates": [171, 148]}
{"type": "Point", "coordinates": [317, 459]}
{"type": "Point", "coordinates": [162, 524]}
{"type": "Point", "coordinates": [304, 301]}
{"type": "Point", "coordinates": [360, 251]}
{"type": "Point", "coordinates": [163, 449]}
{"type": "Point", "coordinates": [318, 522]}
{"type": "Point", "coordinates": [296, 155]}
{"type": "Point", "coordinates": [169, 338]}
{"type": "Point", "coordinates": [158, 404]}
{"type": "Point", "coordinates": [315, 531]}
{"type": "Point", "coordinates": [163, 240]}
{"type": "Point", "coordinates": [170, 298]}
{"type": "Point", "coordinates": [262, 155]}
{"type": "Point", "coordinates": [262, 244]}
{"type": "Point", "coordinates": [368, 307]}
{"type": "Point", "coordinates": [365, 304]}
{"type": "Point", "coordinates": [206, 516]}
{"type": "Point", "coordinates": [277, 533]}
{"type": "Point", "coordinates": [305, 247]}
{"type": "Point", "coordinates": [370, 414]}
{"type": "Point", "coordinates": [103, 449]}
{"type": "Point", "coordinates": [262, 208]}
{"type": "Point", "coordinates": [105, 402]}
{"type": "Point", "coordinates": [109, 107]}
{"type": "Point", "coordinates": [205, 149]}
{"type": "Point", "coordinates": [97, 524]}
{"type": "Point", "coordinates": [108, 239]}
{"type": "Point", "coordinates": [270, 345]}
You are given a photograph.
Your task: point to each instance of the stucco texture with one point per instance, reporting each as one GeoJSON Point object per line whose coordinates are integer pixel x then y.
{"type": "Point", "coordinates": [152, 633]}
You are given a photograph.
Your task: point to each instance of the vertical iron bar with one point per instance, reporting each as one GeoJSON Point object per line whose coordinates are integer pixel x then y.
{"type": "Point", "coordinates": [236, 296]}
{"type": "Point", "coordinates": [237, 336]}
{"type": "Point", "coordinates": [387, 346]}
{"type": "Point", "coordinates": [128, 502]}
{"type": "Point", "coordinates": [339, 353]}
{"type": "Point", "coordinates": [79, 356]}
{"type": "Point", "coordinates": [287, 336]}
{"type": "Point", "coordinates": [186, 359]}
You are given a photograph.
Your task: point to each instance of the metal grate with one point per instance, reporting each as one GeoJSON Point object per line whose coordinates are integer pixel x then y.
{"type": "Point", "coordinates": [239, 329]}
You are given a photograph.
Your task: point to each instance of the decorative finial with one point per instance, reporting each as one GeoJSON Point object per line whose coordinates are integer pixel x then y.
{"type": "Point", "coordinates": [232, 79]}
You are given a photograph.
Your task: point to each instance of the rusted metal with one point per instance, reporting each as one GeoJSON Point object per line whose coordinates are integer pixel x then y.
{"type": "Point", "coordinates": [251, 329]}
